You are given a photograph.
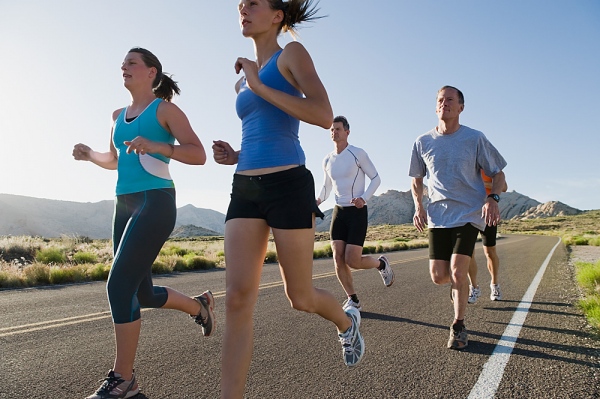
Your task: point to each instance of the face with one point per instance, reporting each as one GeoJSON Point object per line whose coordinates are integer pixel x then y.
{"type": "Point", "coordinates": [338, 133]}
{"type": "Point", "coordinates": [448, 106]}
{"type": "Point", "coordinates": [257, 16]}
{"type": "Point", "coordinates": [135, 71]}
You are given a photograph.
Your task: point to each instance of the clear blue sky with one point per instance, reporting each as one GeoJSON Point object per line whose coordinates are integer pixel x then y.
{"type": "Point", "coordinates": [529, 71]}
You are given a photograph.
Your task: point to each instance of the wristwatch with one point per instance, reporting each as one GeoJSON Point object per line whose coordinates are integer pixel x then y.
{"type": "Point", "coordinates": [495, 197]}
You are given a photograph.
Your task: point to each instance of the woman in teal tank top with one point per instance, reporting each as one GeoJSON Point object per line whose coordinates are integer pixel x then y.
{"type": "Point", "coordinates": [272, 190]}
{"type": "Point", "coordinates": [142, 144]}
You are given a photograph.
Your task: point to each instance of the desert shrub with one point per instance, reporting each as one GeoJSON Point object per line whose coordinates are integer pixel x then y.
{"type": "Point", "coordinates": [37, 274]}
{"type": "Point", "coordinates": [85, 257]}
{"type": "Point", "coordinates": [174, 250]}
{"type": "Point", "coordinates": [200, 263]}
{"type": "Point", "coordinates": [179, 264]}
{"type": "Point", "coordinates": [271, 257]}
{"type": "Point", "coordinates": [18, 251]}
{"type": "Point", "coordinates": [51, 255]}
{"type": "Point", "coordinates": [98, 272]}
{"type": "Point", "coordinates": [323, 252]}
{"type": "Point", "coordinates": [10, 280]}
{"type": "Point", "coordinates": [595, 241]}
{"type": "Point", "coordinates": [369, 249]}
{"type": "Point", "coordinates": [62, 275]}
{"type": "Point", "coordinates": [159, 267]}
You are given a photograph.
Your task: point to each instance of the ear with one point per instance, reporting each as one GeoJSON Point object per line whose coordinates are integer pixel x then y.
{"type": "Point", "coordinates": [153, 72]}
{"type": "Point", "coordinates": [462, 107]}
{"type": "Point", "coordinates": [278, 17]}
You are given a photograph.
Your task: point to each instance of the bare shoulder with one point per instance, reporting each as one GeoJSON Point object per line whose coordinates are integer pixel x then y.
{"type": "Point", "coordinates": [294, 51]}
{"type": "Point", "coordinates": [116, 113]}
{"type": "Point", "coordinates": [168, 108]}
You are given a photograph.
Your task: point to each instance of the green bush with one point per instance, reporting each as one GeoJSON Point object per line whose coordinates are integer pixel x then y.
{"type": "Point", "coordinates": [51, 255]}
{"type": "Point", "coordinates": [591, 308]}
{"type": "Point", "coordinates": [588, 276]}
{"type": "Point", "coordinates": [159, 267]}
{"type": "Point", "coordinates": [37, 274]}
{"type": "Point", "coordinates": [271, 257]}
{"type": "Point", "coordinates": [174, 250]}
{"type": "Point", "coordinates": [325, 252]}
{"type": "Point", "coordinates": [200, 263]}
{"type": "Point", "coordinates": [98, 272]}
{"type": "Point", "coordinates": [85, 257]}
{"type": "Point", "coordinates": [180, 264]}
{"type": "Point", "coordinates": [369, 249]}
{"type": "Point", "coordinates": [62, 275]}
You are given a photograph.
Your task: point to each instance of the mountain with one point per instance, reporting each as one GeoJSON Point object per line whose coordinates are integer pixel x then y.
{"type": "Point", "coordinates": [30, 216]}
{"type": "Point", "coordinates": [20, 215]}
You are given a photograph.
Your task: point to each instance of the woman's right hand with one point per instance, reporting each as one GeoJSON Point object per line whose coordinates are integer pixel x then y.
{"type": "Point", "coordinates": [223, 153]}
{"type": "Point", "coordinates": [82, 152]}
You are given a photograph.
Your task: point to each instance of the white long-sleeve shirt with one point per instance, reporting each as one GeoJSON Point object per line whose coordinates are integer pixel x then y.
{"type": "Point", "coordinates": [345, 176]}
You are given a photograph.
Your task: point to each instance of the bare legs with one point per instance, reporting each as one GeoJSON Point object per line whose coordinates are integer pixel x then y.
{"type": "Point", "coordinates": [245, 247]}
{"type": "Point", "coordinates": [347, 257]}
{"type": "Point", "coordinates": [455, 272]}
{"type": "Point", "coordinates": [128, 334]}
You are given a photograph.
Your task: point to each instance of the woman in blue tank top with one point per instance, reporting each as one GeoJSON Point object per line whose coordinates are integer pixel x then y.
{"type": "Point", "coordinates": [272, 190]}
{"type": "Point", "coordinates": [142, 144]}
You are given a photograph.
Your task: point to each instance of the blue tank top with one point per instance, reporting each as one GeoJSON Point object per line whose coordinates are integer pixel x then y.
{"type": "Point", "coordinates": [269, 135]}
{"type": "Point", "coordinates": [137, 172]}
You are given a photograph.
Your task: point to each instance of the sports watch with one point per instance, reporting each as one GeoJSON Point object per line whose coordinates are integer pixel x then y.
{"type": "Point", "coordinates": [495, 197]}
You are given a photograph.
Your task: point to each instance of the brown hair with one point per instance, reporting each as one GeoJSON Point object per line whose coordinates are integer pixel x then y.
{"type": "Point", "coordinates": [163, 86]}
{"type": "Point", "coordinates": [343, 120]}
{"type": "Point", "coordinates": [295, 12]}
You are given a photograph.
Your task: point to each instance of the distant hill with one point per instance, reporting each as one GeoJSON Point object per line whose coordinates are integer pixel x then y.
{"type": "Point", "coordinates": [20, 215]}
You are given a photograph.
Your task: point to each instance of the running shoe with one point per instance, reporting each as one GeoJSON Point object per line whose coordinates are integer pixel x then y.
{"type": "Point", "coordinates": [458, 339]}
{"type": "Point", "coordinates": [387, 274]}
{"type": "Point", "coordinates": [353, 345]}
{"type": "Point", "coordinates": [206, 320]}
{"type": "Point", "coordinates": [116, 387]}
{"type": "Point", "coordinates": [495, 294]}
{"type": "Point", "coordinates": [350, 302]}
{"type": "Point", "coordinates": [474, 293]}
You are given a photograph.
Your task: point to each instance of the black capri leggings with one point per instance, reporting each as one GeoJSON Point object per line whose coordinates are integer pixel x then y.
{"type": "Point", "coordinates": [142, 223]}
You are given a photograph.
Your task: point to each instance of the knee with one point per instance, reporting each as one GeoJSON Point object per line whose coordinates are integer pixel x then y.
{"type": "Point", "coordinates": [439, 279]}
{"type": "Point", "coordinates": [301, 302]}
{"type": "Point", "coordinates": [239, 300]}
{"type": "Point", "coordinates": [459, 275]}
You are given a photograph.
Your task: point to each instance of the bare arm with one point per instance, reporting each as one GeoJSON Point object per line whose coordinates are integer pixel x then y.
{"type": "Point", "coordinates": [420, 217]}
{"type": "Point", "coordinates": [297, 67]}
{"type": "Point", "coordinates": [490, 211]}
{"type": "Point", "coordinates": [106, 160]}
{"type": "Point", "coordinates": [190, 150]}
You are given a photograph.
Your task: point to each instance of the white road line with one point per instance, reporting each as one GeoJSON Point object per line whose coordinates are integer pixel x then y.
{"type": "Point", "coordinates": [491, 375]}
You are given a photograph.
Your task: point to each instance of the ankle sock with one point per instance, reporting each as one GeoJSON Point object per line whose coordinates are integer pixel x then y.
{"type": "Point", "coordinates": [381, 264]}
{"type": "Point", "coordinates": [458, 325]}
{"type": "Point", "coordinates": [354, 297]}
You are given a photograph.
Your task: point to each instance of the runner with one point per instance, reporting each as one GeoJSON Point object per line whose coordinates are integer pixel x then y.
{"type": "Point", "coordinates": [345, 169]}
{"type": "Point", "coordinates": [142, 144]}
{"type": "Point", "coordinates": [272, 189]}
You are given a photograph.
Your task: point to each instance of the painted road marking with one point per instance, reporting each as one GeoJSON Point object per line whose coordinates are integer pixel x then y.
{"type": "Point", "coordinates": [491, 375]}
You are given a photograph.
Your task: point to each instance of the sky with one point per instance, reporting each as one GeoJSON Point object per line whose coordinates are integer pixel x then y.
{"type": "Point", "coordinates": [529, 71]}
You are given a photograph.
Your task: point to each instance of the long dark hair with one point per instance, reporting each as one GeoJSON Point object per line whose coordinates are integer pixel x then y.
{"type": "Point", "coordinates": [295, 12]}
{"type": "Point", "coordinates": [163, 86]}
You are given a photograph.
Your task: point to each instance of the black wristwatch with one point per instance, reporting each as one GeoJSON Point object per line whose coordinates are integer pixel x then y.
{"type": "Point", "coordinates": [495, 197]}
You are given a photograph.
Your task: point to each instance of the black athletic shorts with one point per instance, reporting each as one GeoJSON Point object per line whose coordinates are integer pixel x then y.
{"type": "Point", "coordinates": [488, 236]}
{"type": "Point", "coordinates": [456, 240]}
{"type": "Point", "coordinates": [286, 199]}
{"type": "Point", "coordinates": [349, 224]}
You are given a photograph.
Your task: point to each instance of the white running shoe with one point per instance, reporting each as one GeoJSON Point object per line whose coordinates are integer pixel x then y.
{"type": "Point", "coordinates": [387, 274]}
{"type": "Point", "coordinates": [353, 345]}
{"type": "Point", "coordinates": [350, 303]}
{"type": "Point", "coordinates": [495, 294]}
{"type": "Point", "coordinates": [474, 293]}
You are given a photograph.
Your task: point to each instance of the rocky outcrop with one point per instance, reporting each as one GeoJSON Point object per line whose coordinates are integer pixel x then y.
{"type": "Point", "coordinates": [552, 208]}
{"type": "Point", "coordinates": [513, 203]}
{"type": "Point", "coordinates": [189, 230]}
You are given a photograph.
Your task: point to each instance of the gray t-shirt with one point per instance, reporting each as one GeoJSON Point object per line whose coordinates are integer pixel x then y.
{"type": "Point", "coordinates": [452, 165]}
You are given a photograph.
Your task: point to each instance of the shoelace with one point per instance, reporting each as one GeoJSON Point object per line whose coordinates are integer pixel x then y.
{"type": "Point", "coordinates": [109, 384]}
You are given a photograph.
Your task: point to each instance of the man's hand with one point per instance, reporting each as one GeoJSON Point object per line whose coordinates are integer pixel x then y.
{"type": "Point", "coordinates": [420, 219]}
{"type": "Point", "coordinates": [358, 202]}
{"type": "Point", "coordinates": [491, 212]}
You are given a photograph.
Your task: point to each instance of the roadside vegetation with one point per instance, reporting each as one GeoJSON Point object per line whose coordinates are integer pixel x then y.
{"type": "Point", "coordinates": [32, 261]}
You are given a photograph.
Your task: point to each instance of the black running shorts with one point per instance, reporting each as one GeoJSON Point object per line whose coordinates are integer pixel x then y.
{"type": "Point", "coordinates": [443, 243]}
{"type": "Point", "coordinates": [349, 224]}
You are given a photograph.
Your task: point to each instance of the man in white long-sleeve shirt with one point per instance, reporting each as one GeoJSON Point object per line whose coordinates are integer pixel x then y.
{"type": "Point", "coordinates": [345, 170]}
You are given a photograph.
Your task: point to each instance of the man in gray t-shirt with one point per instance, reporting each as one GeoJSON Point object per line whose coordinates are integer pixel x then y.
{"type": "Point", "coordinates": [452, 156]}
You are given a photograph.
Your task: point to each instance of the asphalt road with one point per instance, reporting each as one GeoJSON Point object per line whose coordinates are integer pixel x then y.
{"type": "Point", "coordinates": [58, 342]}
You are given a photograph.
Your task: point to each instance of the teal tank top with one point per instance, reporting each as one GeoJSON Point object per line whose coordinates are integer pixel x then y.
{"type": "Point", "coordinates": [137, 172]}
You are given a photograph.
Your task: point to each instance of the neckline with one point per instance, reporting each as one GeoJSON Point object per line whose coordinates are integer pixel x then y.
{"type": "Point", "coordinates": [270, 58]}
{"type": "Point", "coordinates": [138, 115]}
